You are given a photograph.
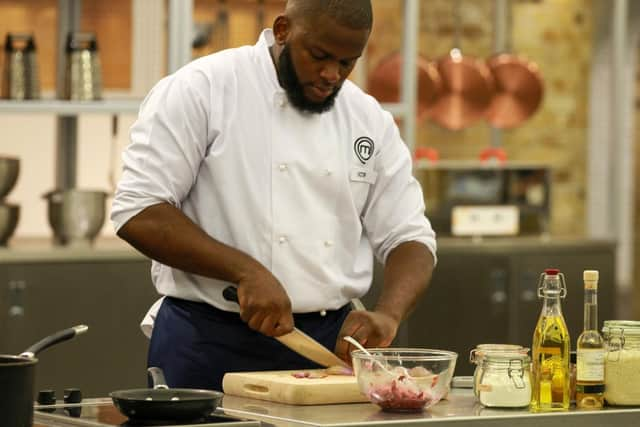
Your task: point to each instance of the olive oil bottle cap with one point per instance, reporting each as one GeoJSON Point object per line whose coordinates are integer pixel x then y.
{"type": "Point", "coordinates": [590, 278]}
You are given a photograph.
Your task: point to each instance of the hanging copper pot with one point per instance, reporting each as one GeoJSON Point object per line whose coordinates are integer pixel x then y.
{"type": "Point", "coordinates": [467, 91]}
{"type": "Point", "coordinates": [519, 90]}
{"type": "Point", "coordinates": [384, 82]}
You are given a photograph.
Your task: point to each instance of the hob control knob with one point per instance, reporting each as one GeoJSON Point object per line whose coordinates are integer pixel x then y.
{"type": "Point", "coordinates": [47, 397]}
{"type": "Point", "coordinates": [73, 395]}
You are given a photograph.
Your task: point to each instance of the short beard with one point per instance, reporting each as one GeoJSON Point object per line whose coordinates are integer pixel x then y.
{"type": "Point", "coordinates": [294, 89]}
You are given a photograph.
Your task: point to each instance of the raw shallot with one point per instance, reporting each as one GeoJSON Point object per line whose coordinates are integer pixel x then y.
{"type": "Point", "coordinates": [310, 374]}
{"type": "Point", "coordinates": [403, 390]}
{"type": "Point", "coordinates": [400, 394]}
{"type": "Point", "coordinates": [339, 370]}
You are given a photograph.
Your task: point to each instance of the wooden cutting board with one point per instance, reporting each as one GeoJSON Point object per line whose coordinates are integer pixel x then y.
{"type": "Point", "coordinates": [283, 387]}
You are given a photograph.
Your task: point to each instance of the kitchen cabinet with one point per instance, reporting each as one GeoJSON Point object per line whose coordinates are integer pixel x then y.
{"type": "Point", "coordinates": [110, 296]}
{"type": "Point", "coordinates": [526, 306]}
{"type": "Point", "coordinates": [463, 305]}
{"type": "Point", "coordinates": [486, 292]}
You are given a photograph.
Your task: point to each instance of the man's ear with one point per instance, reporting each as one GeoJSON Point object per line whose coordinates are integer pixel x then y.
{"type": "Point", "coordinates": [281, 29]}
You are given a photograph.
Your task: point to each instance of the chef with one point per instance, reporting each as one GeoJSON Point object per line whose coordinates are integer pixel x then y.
{"type": "Point", "coordinates": [262, 167]}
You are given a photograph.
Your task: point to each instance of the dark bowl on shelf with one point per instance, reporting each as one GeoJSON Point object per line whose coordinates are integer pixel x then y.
{"type": "Point", "coordinates": [9, 215]}
{"type": "Point", "coordinates": [9, 171]}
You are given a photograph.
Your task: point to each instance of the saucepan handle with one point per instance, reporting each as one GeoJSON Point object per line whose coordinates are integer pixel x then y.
{"type": "Point", "coordinates": [65, 334]}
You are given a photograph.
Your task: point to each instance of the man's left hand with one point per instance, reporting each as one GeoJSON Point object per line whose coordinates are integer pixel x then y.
{"type": "Point", "coordinates": [369, 328]}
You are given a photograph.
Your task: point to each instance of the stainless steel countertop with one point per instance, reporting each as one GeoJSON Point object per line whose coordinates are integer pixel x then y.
{"type": "Point", "coordinates": [459, 245]}
{"type": "Point", "coordinates": [460, 409]}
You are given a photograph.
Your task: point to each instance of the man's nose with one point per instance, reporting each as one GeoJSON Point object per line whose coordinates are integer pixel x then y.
{"type": "Point", "coordinates": [331, 72]}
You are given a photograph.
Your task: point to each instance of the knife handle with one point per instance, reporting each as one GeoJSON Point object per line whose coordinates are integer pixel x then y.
{"type": "Point", "coordinates": [230, 293]}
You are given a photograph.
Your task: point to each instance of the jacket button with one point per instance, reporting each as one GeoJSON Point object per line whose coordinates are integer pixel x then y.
{"type": "Point", "coordinates": [282, 239]}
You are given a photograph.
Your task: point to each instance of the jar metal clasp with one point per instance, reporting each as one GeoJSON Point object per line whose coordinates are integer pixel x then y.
{"type": "Point", "coordinates": [516, 373]}
{"type": "Point", "coordinates": [616, 344]}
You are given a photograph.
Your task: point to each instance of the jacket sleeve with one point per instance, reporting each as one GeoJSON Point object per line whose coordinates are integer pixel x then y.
{"type": "Point", "coordinates": [395, 210]}
{"type": "Point", "coordinates": [167, 144]}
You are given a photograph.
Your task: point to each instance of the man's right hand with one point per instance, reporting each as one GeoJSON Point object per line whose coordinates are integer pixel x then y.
{"type": "Point", "coordinates": [167, 235]}
{"type": "Point", "coordinates": [264, 304]}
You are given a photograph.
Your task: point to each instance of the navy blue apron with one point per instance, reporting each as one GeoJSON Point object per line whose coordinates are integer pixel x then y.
{"type": "Point", "coordinates": [195, 343]}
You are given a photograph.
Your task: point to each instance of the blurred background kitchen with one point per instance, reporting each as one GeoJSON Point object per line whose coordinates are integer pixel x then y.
{"type": "Point", "coordinates": [531, 166]}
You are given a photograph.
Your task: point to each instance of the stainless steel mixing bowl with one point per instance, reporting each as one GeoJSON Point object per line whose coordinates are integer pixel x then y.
{"type": "Point", "coordinates": [76, 216]}
{"type": "Point", "coordinates": [9, 215]}
{"type": "Point", "coordinates": [9, 171]}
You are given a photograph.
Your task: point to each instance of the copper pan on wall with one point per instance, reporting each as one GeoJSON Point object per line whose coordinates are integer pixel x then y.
{"type": "Point", "coordinates": [384, 82]}
{"type": "Point", "coordinates": [519, 90]}
{"type": "Point", "coordinates": [468, 88]}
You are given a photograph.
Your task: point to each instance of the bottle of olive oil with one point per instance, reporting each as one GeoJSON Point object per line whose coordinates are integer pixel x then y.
{"type": "Point", "coordinates": [591, 351]}
{"type": "Point", "coordinates": [551, 347]}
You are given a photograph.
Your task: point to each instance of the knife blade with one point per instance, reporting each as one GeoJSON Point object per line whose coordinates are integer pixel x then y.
{"type": "Point", "coordinates": [298, 341]}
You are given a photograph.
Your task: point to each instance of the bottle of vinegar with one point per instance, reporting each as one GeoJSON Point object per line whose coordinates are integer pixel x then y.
{"type": "Point", "coordinates": [591, 351]}
{"type": "Point", "coordinates": [551, 347]}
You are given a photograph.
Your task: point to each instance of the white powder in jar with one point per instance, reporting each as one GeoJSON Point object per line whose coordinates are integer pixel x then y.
{"type": "Point", "coordinates": [622, 377]}
{"type": "Point", "coordinates": [498, 390]}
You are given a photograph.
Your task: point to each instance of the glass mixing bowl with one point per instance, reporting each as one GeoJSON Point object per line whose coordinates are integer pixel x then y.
{"type": "Point", "coordinates": [404, 379]}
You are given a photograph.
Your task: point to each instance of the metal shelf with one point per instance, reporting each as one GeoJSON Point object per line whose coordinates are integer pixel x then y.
{"type": "Point", "coordinates": [462, 165]}
{"type": "Point", "coordinates": [71, 108]}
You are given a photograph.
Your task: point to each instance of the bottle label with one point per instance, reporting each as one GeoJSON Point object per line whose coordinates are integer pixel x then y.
{"type": "Point", "coordinates": [590, 388]}
{"type": "Point", "coordinates": [590, 365]}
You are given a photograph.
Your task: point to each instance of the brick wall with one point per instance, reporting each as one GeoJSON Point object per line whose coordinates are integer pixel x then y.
{"type": "Point", "coordinates": [554, 34]}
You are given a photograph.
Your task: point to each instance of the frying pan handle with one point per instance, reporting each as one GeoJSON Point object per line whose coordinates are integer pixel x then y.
{"type": "Point", "coordinates": [230, 293]}
{"type": "Point", "coordinates": [65, 334]}
{"type": "Point", "coordinates": [157, 377]}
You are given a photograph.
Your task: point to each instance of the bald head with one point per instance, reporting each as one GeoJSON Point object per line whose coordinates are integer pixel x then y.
{"type": "Point", "coordinates": [354, 14]}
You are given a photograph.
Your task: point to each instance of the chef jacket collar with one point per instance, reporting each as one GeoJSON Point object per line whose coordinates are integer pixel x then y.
{"type": "Point", "coordinates": [265, 61]}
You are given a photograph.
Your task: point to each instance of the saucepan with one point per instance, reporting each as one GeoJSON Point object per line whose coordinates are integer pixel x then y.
{"type": "Point", "coordinates": [518, 81]}
{"type": "Point", "coordinates": [468, 85]}
{"type": "Point", "coordinates": [384, 83]}
{"type": "Point", "coordinates": [17, 376]}
{"type": "Point", "coordinates": [519, 90]}
{"type": "Point", "coordinates": [468, 90]}
{"type": "Point", "coordinates": [162, 403]}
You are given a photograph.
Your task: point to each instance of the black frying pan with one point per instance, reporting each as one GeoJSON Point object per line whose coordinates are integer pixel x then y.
{"type": "Point", "coordinates": [162, 403]}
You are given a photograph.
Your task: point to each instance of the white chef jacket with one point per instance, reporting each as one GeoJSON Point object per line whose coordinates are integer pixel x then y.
{"type": "Point", "coordinates": [311, 196]}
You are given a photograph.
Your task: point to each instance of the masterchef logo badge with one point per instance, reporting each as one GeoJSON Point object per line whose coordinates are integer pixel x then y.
{"type": "Point", "coordinates": [364, 148]}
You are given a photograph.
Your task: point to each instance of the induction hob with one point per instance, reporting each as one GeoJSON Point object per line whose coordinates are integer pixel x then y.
{"type": "Point", "coordinates": [102, 413]}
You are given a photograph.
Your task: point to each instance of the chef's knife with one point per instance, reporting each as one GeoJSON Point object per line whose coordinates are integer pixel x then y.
{"type": "Point", "coordinates": [298, 341]}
